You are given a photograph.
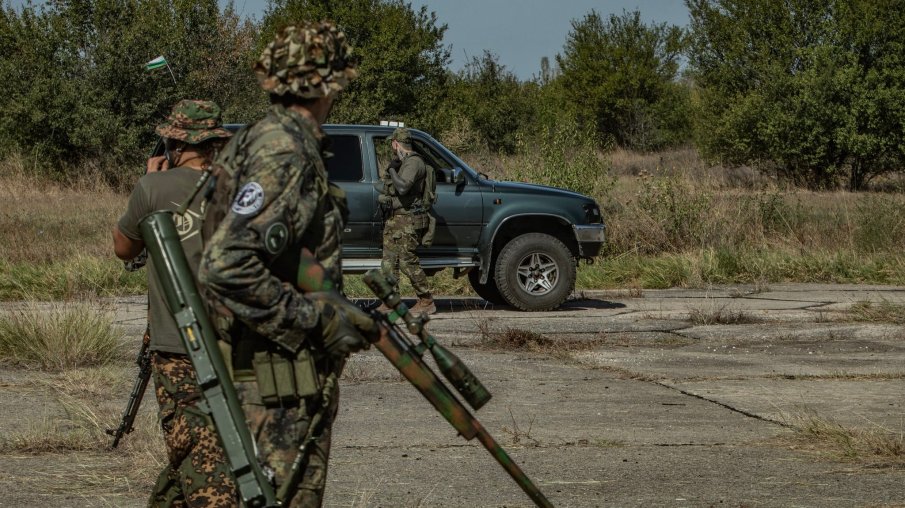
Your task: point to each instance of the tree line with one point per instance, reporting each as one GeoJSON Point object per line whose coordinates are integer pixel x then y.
{"type": "Point", "coordinates": [809, 90]}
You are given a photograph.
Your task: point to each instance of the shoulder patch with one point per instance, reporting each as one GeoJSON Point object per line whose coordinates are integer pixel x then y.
{"type": "Point", "coordinates": [249, 199]}
{"type": "Point", "coordinates": [276, 237]}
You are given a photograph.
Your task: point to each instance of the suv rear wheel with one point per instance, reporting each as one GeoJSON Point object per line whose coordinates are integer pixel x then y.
{"type": "Point", "coordinates": [535, 272]}
{"type": "Point", "coordinates": [487, 291]}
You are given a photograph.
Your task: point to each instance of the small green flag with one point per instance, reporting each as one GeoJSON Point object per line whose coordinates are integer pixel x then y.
{"type": "Point", "coordinates": [156, 63]}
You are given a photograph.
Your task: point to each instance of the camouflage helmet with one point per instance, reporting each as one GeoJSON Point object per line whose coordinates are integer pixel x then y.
{"type": "Point", "coordinates": [193, 121]}
{"type": "Point", "coordinates": [308, 61]}
{"type": "Point", "coordinates": [402, 135]}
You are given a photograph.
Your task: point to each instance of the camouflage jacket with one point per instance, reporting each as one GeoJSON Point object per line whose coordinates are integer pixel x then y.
{"type": "Point", "coordinates": [408, 184]}
{"type": "Point", "coordinates": [282, 204]}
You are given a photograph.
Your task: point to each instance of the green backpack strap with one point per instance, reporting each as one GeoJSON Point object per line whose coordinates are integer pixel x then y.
{"type": "Point", "coordinates": [428, 198]}
{"type": "Point", "coordinates": [429, 194]}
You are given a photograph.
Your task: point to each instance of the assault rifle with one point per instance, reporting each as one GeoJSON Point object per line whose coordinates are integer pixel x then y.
{"type": "Point", "coordinates": [407, 357]}
{"type": "Point", "coordinates": [126, 425]}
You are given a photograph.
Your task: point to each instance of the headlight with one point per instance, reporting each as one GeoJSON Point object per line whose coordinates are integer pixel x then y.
{"type": "Point", "coordinates": [592, 213]}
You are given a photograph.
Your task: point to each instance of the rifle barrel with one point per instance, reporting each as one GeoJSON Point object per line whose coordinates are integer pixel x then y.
{"type": "Point", "coordinates": [511, 467]}
{"type": "Point", "coordinates": [400, 353]}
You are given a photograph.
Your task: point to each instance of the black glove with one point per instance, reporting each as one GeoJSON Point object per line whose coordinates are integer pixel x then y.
{"type": "Point", "coordinates": [395, 163]}
{"type": "Point", "coordinates": [346, 328]}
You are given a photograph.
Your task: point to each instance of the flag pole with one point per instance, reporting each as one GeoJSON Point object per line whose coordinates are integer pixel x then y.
{"type": "Point", "coordinates": [171, 73]}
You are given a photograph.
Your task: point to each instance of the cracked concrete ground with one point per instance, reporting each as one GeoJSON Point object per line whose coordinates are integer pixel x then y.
{"type": "Point", "coordinates": [656, 408]}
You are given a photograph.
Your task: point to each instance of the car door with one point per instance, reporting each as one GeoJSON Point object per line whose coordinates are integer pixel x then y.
{"type": "Point", "coordinates": [346, 169]}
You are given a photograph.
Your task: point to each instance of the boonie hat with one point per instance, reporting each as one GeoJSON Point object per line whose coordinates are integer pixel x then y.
{"type": "Point", "coordinates": [193, 121]}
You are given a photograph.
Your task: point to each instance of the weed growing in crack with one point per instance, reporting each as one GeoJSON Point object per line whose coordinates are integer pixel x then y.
{"type": "Point", "coordinates": [876, 446]}
{"type": "Point", "coordinates": [882, 312]}
{"type": "Point", "coordinates": [517, 435]}
{"type": "Point", "coordinates": [517, 339]}
{"type": "Point", "coordinates": [720, 316]}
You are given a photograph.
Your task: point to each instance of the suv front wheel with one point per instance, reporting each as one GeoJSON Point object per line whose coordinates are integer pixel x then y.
{"type": "Point", "coordinates": [535, 272]}
{"type": "Point", "coordinates": [487, 291]}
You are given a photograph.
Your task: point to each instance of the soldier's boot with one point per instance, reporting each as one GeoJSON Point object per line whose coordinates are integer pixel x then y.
{"type": "Point", "coordinates": [425, 305]}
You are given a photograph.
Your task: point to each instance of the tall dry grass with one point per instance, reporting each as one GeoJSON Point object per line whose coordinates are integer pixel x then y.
{"type": "Point", "coordinates": [58, 337]}
{"type": "Point", "coordinates": [55, 238]}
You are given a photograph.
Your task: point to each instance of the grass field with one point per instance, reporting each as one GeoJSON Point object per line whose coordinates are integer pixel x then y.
{"type": "Point", "coordinates": [672, 221]}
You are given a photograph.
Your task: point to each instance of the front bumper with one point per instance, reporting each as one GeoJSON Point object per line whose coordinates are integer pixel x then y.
{"type": "Point", "coordinates": [590, 238]}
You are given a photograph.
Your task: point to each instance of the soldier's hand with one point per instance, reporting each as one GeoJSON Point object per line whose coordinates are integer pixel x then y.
{"type": "Point", "coordinates": [395, 163]}
{"type": "Point", "coordinates": [156, 164]}
{"type": "Point", "coordinates": [383, 199]}
{"type": "Point", "coordinates": [346, 328]}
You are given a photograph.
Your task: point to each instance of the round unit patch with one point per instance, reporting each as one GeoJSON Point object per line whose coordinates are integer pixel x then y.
{"type": "Point", "coordinates": [184, 224]}
{"type": "Point", "coordinates": [249, 199]}
{"type": "Point", "coordinates": [276, 237]}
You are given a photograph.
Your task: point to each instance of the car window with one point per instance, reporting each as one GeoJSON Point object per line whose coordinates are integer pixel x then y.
{"type": "Point", "coordinates": [431, 157]}
{"type": "Point", "coordinates": [345, 165]}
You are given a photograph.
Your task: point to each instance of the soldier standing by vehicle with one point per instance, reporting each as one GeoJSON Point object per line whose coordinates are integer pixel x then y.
{"type": "Point", "coordinates": [404, 194]}
{"type": "Point", "coordinates": [197, 474]}
{"type": "Point", "coordinates": [272, 211]}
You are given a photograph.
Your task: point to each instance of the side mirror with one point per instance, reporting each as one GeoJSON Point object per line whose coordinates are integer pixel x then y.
{"type": "Point", "coordinates": [458, 176]}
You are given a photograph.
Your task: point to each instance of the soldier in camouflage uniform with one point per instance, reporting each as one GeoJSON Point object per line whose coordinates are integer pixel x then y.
{"type": "Point", "coordinates": [197, 474]}
{"type": "Point", "coordinates": [272, 215]}
{"type": "Point", "coordinates": [403, 194]}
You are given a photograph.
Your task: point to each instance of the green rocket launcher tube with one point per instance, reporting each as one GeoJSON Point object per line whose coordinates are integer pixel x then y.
{"type": "Point", "coordinates": [200, 340]}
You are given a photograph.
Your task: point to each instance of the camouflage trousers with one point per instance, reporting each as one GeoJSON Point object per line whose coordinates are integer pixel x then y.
{"type": "Point", "coordinates": [401, 236]}
{"type": "Point", "coordinates": [197, 473]}
{"type": "Point", "coordinates": [278, 433]}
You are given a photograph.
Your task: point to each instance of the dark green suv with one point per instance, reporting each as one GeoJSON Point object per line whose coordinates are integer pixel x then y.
{"type": "Point", "coordinates": [519, 243]}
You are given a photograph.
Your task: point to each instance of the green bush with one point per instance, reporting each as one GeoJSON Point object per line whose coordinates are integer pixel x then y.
{"type": "Point", "coordinates": [812, 91]}
{"type": "Point", "coordinates": [76, 90]}
{"type": "Point", "coordinates": [620, 76]}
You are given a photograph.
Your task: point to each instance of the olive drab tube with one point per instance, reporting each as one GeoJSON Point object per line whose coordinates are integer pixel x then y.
{"type": "Point", "coordinates": [200, 340]}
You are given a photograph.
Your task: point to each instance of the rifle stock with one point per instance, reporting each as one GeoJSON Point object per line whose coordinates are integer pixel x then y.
{"type": "Point", "coordinates": [127, 423]}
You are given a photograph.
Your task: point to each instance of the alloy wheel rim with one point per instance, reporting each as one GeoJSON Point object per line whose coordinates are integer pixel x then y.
{"type": "Point", "coordinates": [537, 274]}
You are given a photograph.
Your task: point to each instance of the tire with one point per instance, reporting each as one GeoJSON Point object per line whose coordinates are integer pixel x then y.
{"type": "Point", "coordinates": [535, 272]}
{"type": "Point", "coordinates": [487, 291]}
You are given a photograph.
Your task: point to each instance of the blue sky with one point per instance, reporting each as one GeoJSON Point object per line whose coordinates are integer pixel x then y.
{"type": "Point", "coordinates": [520, 32]}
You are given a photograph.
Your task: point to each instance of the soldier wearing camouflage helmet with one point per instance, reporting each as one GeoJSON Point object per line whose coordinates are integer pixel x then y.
{"type": "Point", "coordinates": [272, 202]}
{"type": "Point", "coordinates": [196, 474]}
{"type": "Point", "coordinates": [403, 194]}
